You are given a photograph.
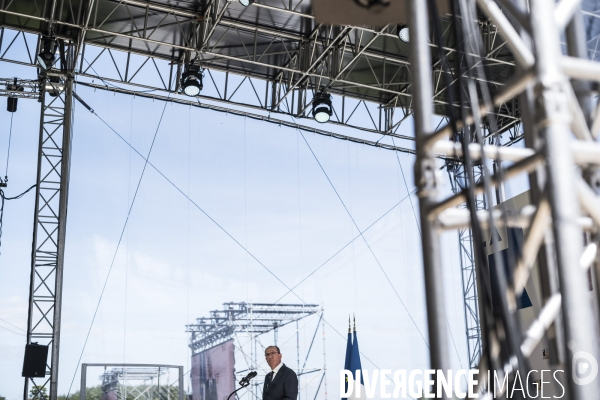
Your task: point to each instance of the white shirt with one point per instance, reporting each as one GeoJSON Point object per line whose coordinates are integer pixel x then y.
{"type": "Point", "coordinates": [275, 371]}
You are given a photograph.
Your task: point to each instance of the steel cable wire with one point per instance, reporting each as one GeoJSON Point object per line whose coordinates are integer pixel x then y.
{"type": "Point", "coordinates": [2, 199]}
{"type": "Point", "coordinates": [511, 324]}
{"type": "Point", "coordinates": [118, 245]}
{"type": "Point", "coordinates": [365, 240]}
{"type": "Point", "coordinates": [8, 151]}
{"type": "Point", "coordinates": [290, 290]}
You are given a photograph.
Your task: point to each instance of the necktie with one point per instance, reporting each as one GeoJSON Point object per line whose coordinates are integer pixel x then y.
{"type": "Point", "coordinates": [269, 378]}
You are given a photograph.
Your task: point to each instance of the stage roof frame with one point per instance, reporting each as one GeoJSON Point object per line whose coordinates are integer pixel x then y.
{"type": "Point", "coordinates": [281, 53]}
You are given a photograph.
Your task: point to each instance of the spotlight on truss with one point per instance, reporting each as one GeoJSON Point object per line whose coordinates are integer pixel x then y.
{"type": "Point", "coordinates": [246, 3]}
{"type": "Point", "coordinates": [403, 33]}
{"type": "Point", "coordinates": [322, 108]}
{"type": "Point", "coordinates": [47, 56]}
{"type": "Point", "coordinates": [191, 80]}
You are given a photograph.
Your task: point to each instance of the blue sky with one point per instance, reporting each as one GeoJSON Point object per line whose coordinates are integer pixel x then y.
{"type": "Point", "coordinates": [260, 183]}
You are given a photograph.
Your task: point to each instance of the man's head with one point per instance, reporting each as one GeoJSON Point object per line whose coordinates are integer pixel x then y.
{"type": "Point", "coordinates": [273, 356]}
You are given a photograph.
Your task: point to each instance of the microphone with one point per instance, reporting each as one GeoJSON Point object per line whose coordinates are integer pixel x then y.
{"type": "Point", "coordinates": [246, 380]}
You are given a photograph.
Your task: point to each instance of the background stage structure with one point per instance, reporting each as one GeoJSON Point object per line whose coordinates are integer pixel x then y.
{"type": "Point", "coordinates": [499, 71]}
{"type": "Point", "coordinates": [132, 381]}
{"type": "Point", "coordinates": [230, 343]}
{"type": "Point", "coordinates": [213, 372]}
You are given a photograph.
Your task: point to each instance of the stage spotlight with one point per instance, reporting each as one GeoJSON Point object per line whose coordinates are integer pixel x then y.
{"type": "Point", "coordinates": [246, 3]}
{"type": "Point", "coordinates": [191, 80]}
{"type": "Point", "coordinates": [47, 56]}
{"type": "Point", "coordinates": [322, 108]}
{"type": "Point", "coordinates": [403, 33]}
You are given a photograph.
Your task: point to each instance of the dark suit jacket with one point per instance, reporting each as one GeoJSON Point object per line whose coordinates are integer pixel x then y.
{"type": "Point", "coordinates": [283, 387]}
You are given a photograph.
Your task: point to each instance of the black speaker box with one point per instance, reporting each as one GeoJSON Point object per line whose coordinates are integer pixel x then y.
{"type": "Point", "coordinates": [11, 104]}
{"type": "Point", "coordinates": [34, 364]}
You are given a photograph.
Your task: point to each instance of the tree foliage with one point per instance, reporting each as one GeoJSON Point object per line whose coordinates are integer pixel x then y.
{"type": "Point", "coordinates": [38, 393]}
{"type": "Point", "coordinates": [95, 393]}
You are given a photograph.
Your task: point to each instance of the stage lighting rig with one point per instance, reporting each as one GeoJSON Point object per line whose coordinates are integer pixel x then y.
{"type": "Point", "coordinates": [47, 56]}
{"type": "Point", "coordinates": [322, 108]}
{"type": "Point", "coordinates": [246, 3]}
{"type": "Point", "coordinates": [191, 79]}
{"type": "Point", "coordinates": [403, 33]}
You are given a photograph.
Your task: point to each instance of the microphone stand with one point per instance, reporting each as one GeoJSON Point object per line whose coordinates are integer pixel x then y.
{"type": "Point", "coordinates": [244, 384]}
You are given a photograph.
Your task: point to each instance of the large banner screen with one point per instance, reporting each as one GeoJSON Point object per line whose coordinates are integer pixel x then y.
{"type": "Point", "coordinates": [213, 373]}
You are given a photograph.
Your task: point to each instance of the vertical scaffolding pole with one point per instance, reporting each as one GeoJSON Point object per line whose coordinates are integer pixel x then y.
{"type": "Point", "coordinates": [425, 178]}
{"type": "Point", "coordinates": [456, 172]}
{"type": "Point", "coordinates": [49, 230]}
{"type": "Point", "coordinates": [552, 119]}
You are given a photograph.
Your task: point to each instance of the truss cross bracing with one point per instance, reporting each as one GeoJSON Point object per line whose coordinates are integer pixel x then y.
{"type": "Point", "coordinates": [561, 158]}
{"type": "Point", "coordinates": [138, 381]}
{"type": "Point", "coordinates": [247, 318]}
{"type": "Point", "coordinates": [45, 293]}
{"type": "Point", "coordinates": [246, 323]}
{"type": "Point", "coordinates": [271, 56]}
{"type": "Point", "coordinates": [457, 177]}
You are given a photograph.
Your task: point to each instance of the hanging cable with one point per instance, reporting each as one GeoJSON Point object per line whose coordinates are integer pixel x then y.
{"type": "Point", "coordinates": [510, 324]}
{"type": "Point", "coordinates": [3, 197]}
{"type": "Point", "coordinates": [290, 290]}
{"type": "Point", "coordinates": [3, 183]}
{"type": "Point", "coordinates": [463, 138]}
{"type": "Point", "coordinates": [365, 240]}
{"type": "Point", "coordinates": [490, 325]}
{"type": "Point", "coordinates": [146, 163]}
{"type": "Point", "coordinates": [406, 186]}
{"type": "Point", "coordinates": [120, 237]}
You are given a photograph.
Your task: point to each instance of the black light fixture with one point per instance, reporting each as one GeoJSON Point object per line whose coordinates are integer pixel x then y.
{"type": "Point", "coordinates": [11, 102]}
{"type": "Point", "coordinates": [47, 56]}
{"type": "Point", "coordinates": [246, 3]}
{"type": "Point", "coordinates": [322, 108]}
{"type": "Point", "coordinates": [403, 33]}
{"type": "Point", "coordinates": [191, 80]}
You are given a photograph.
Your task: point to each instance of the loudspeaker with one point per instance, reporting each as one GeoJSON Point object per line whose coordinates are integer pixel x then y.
{"type": "Point", "coordinates": [34, 364]}
{"type": "Point", "coordinates": [11, 104]}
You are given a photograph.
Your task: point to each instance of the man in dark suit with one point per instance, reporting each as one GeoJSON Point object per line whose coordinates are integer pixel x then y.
{"type": "Point", "coordinates": [281, 383]}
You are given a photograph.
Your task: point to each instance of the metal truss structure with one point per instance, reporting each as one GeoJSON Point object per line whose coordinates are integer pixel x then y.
{"type": "Point", "coordinates": [561, 156]}
{"type": "Point", "coordinates": [250, 318]}
{"type": "Point", "coordinates": [50, 214]}
{"type": "Point", "coordinates": [272, 57]}
{"type": "Point", "coordinates": [138, 381]}
{"type": "Point", "coordinates": [458, 178]}
{"type": "Point", "coordinates": [19, 88]}
{"type": "Point", "coordinates": [247, 323]}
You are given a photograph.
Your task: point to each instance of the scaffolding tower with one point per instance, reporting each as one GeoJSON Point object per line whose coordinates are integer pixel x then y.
{"type": "Point", "coordinates": [248, 323]}
{"type": "Point", "coordinates": [136, 381]}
